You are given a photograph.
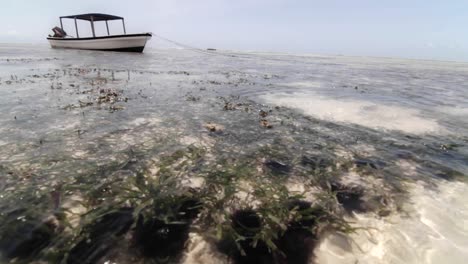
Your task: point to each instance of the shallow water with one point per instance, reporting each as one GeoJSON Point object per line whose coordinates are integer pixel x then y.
{"type": "Point", "coordinates": [77, 126]}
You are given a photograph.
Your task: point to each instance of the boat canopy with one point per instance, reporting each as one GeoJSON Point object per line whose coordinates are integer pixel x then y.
{"type": "Point", "coordinates": [94, 17]}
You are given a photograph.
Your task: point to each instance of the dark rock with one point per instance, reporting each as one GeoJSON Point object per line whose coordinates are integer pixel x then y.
{"type": "Point", "coordinates": [349, 197]}
{"type": "Point", "coordinates": [277, 167]}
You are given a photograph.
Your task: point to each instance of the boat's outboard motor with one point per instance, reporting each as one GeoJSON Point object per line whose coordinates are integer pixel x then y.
{"type": "Point", "coordinates": [59, 33]}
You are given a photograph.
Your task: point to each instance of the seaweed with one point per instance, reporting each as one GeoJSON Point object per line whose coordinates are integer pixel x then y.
{"type": "Point", "coordinates": [98, 237]}
{"type": "Point", "coordinates": [25, 235]}
{"type": "Point", "coordinates": [246, 247]}
{"type": "Point", "coordinates": [289, 236]}
{"type": "Point", "coordinates": [297, 242]}
{"type": "Point", "coordinates": [133, 193]}
{"type": "Point", "coordinates": [162, 233]}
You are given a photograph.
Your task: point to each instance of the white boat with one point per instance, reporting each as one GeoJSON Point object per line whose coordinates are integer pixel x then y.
{"type": "Point", "coordinates": [125, 42]}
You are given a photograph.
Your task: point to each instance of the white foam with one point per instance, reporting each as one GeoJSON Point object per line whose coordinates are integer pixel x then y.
{"type": "Point", "coordinates": [358, 112]}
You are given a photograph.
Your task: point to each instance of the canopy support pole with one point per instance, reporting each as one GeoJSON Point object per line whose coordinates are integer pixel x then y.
{"type": "Point", "coordinates": [107, 26]}
{"type": "Point", "coordinates": [61, 24]}
{"type": "Point", "coordinates": [123, 23]}
{"type": "Point", "coordinates": [92, 27]}
{"type": "Point", "coordinates": [76, 28]}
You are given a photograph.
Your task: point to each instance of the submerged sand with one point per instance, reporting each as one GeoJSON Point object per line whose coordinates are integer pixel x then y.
{"type": "Point", "coordinates": [124, 158]}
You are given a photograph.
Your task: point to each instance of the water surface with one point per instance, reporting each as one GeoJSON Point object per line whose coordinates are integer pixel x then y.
{"type": "Point", "coordinates": [95, 145]}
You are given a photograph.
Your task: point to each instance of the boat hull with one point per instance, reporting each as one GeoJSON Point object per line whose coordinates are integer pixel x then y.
{"type": "Point", "coordinates": [124, 43]}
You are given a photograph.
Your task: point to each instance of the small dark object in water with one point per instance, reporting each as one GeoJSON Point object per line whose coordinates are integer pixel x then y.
{"type": "Point", "coordinates": [211, 49]}
{"type": "Point", "coordinates": [263, 113]}
{"type": "Point", "coordinates": [246, 222]}
{"type": "Point", "coordinates": [384, 212]}
{"type": "Point", "coordinates": [15, 117]}
{"type": "Point", "coordinates": [450, 146]}
{"type": "Point", "coordinates": [355, 88]}
{"type": "Point", "coordinates": [360, 163]}
{"type": "Point", "coordinates": [159, 239]}
{"type": "Point", "coordinates": [264, 123]}
{"type": "Point", "coordinates": [85, 104]}
{"type": "Point", "coordinates": [449, 174]}
{"type": "Point", "coordinates": [192, 98]}
{"type": "Point", "coordinates": [214, 127]}
{"type": "Point", "coordinates": [277, 167]}
{"type": "Point", "coordinates": [228, 106]}
{"type": "Point", "coordinates": [101, 236]}
{"type": "Point", "coordinates": [162, 239]}
{"type": "Point", "coordinates": [349, 197]}
{"type": "Point", "coordinates": [403, 154]}
{"type": "Point", "coordinates": [315, 163]}
{"type": "Point", "coordinates": [114, 108]}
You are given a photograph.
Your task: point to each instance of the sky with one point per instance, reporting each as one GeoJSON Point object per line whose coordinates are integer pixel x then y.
{"type": "Point", "coordinates": [430, 29]}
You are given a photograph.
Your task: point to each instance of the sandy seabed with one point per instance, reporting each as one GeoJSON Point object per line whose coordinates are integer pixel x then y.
{"type": "Point", "coordinates": [185, 157]}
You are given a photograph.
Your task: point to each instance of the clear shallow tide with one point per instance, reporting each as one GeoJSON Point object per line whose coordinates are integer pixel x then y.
{"type": "Point", "coordinates": [80, 119]}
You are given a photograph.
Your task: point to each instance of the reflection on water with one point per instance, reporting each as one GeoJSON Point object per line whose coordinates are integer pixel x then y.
{"type": "Point", "coordinates": [125, 158]}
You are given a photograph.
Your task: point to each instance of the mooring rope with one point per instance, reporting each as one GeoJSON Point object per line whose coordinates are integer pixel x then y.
{"type": "Point", "coordinates": [225, 54]}
{"type": "Point", "coordinates": [202, 51]}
